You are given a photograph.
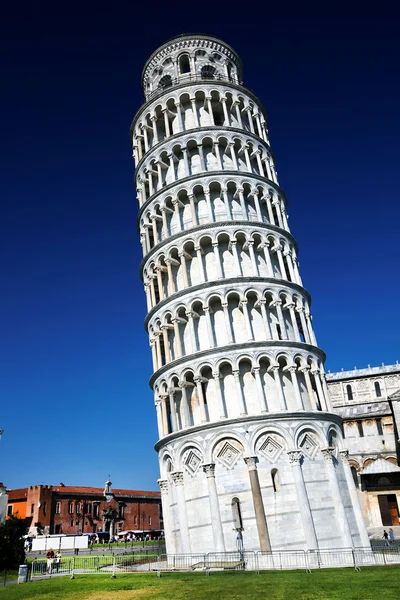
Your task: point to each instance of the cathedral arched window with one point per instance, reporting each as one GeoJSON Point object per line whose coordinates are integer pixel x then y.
{"type": "Point", "coordinates": [378, 392]}
{"type": "Point", "coordinates": [349, 392]}
{"type": "Point", "coordinates": [237, 514]}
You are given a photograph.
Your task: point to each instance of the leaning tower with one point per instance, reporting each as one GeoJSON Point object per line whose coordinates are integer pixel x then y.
{"type": "Point", "coordinates": [250, 452]}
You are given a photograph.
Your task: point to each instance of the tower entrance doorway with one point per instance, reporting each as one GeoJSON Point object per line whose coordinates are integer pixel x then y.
{"type": "Point", "coordinates": [389, 509]}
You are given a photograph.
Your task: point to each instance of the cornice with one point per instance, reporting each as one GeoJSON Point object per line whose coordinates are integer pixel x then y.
{"type": "Point", "coordinates": [217, 283]}
{"type": "Point", "coordinates": [225, 350]}
{"type": "Point", "coordinates": [274, 417]}
{"type": "Point", "coordinates": [212, 226]}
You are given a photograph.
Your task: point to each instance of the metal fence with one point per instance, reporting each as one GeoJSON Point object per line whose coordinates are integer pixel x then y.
{"type": "Point", "coordinates": [216, 561]}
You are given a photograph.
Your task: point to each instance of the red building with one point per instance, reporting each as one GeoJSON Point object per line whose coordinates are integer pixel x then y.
{"type": "Point", "coordinates": [74, 509]}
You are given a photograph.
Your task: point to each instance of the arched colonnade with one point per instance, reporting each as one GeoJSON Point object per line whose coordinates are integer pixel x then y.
{"type": "Point", "coordinates": [233, 388]}
{"type": "Point", "coordinates": [202, 154]}
{"type": "Point", "coordinates": [183, 110]}
{"type": "Point", "coordinates": [234, 318]}
{"type": "Point", "coordinates": [207, 204]}
{"type": "Point", "coordinates": [223, 256]}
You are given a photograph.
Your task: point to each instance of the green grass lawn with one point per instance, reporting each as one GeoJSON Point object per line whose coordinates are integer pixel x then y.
{"type": "Point", "coordinates": [343, 584]}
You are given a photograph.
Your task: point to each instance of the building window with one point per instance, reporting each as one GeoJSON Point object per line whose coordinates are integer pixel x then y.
{"type": "Point", "coordinates": [70, 507]}
{"type": "Point", "coordinates": [349, 392]}
{"type": "Point", "coordinates": [166, 81]}
{"type": "Point", "coordinates": [72, 522]}
{"type": "Point", "coordinates": [135, 520]}
{"type": "Point", "coordinates": [237, 514]}
{"type": "Point", "coordinates": [32, 509]}
{"type": "Point", "coordinates": [149, 520]}
{"type": "Point", "coordinates": [378, 392]}
{"type": "Point", "coordinates": [88, 509]}
{"type": "Point", "coordinates": [184, 64]}
{"type": "Point", "coordinates": [121, 510]}
{"type": "Point", "coordinates": [360, 429]}
{"type": "Point", "coordinates": [275, 480]}
{"type": "Point", "coordinates": [57, 529]}
{"type": "Point", "coordinates": [95, 509]}
{"type": "Point", "coordinates": [379, 426]}
{"type": "Point", "coordinates": [10, 510]}
{"type": "Point", "coordinates": [44, 508]}
{"type": "Point", "coordinates": [208, 72]}
{"type": "Point", "coordinates": [78, 508]}
{"type": "Point", "coordinates": [58, 508]}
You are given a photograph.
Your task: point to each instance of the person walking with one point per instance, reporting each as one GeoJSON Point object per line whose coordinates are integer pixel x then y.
{"type": "Point", "coordinates": [386, 536]}
{"type": "Point", "coordinates": [391, 536]}
{"type": "Point", "coordinates": [50, 559]}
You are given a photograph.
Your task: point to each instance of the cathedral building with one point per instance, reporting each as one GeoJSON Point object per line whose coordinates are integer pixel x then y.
{"type": "Point", "coordinates": [368, 400]}
{"type": "Point", "coordinates": [252, 454]}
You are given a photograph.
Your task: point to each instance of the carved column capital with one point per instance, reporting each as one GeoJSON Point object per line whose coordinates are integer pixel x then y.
{"type": "Point", "coordinates": [209, 470]}
{"type": "Point", "coordinates": [295, 457]}
{"type": "Point", "coordinates": [251, 462]}
{"type": "Point", "coordinates": [163, 483]}
{"type": "Point", "coordinates": [327, 454]}
{"type": "Point", "coordinates": [177, 477]}
{"type": "Point", "coordinates": [344, 455]}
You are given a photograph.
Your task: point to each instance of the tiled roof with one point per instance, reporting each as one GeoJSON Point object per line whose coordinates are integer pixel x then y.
{"type": "Point", "coordinates": [68, 489]}
{"type": "Point", "coordinates": [18, 494]}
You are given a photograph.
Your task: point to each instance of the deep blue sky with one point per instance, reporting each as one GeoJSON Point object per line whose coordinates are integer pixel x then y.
{"type": "Point", "coordinates": [75, 359]}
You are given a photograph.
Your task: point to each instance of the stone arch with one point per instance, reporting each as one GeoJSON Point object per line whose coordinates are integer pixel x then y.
{"type": "Point", "coordinates": [239, 441]}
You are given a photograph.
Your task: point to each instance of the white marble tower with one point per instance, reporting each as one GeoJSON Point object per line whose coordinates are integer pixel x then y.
{"type": "Point", "coordinates": [248, 445]}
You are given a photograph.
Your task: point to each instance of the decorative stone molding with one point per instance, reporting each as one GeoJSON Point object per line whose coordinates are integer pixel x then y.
{"type": "Point", "coordinates": [163, 483]}
{"type": "Point", "coordinates": [328, 454]}
{"type": "Point", "coordinates": [177, 477]}
{"type": "Point", "coordinates": [295, 457]}
{"type": "Point", "coordinates": [209, 470]}
{"type": "Point", "coordinates": [251, 462]}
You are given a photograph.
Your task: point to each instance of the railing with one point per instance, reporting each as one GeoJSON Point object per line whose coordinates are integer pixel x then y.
{"type": "Point", "coordinates": [189, 78]}
{"type": "Point", "coordinates": [216, 561]}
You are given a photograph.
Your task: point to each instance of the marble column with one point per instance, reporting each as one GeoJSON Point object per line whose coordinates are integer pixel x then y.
{"type": "Point", "coordinates": [174, 418]}
{"type": "Point", "coordinates": [260, 390]}
{"type": "Point", "coordinates": [365, 543]}
{"type": "Point", "coordinates": [261, 521]}
{"type": "Point", "coordinates": [169, 539]}
{"type": "Point", "coordinates": [216, 523]}
{"type": "Point", "coordinates": [295, 457]}
{"type": "Point", "coordinates": [199, 388]}
{"type": "Point", "coordinates": [221, 407]}
{"type": "Point", "coordinates": [341, 517]}
{"type": "Point", "coordinates": [240, 393]}
{"type": "Point", "coordinates": [177, 478]}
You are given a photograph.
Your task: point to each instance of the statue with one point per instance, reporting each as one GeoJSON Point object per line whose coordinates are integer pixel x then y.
{"type": "Point", "coordinates": [108, 491]}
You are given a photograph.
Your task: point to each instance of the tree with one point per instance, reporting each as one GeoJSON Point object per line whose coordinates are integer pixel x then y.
{"type": "Point", "coordinates": [12, 552]}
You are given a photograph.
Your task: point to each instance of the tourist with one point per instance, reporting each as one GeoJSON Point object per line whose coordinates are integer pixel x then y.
{"type": "Point", "coordinates": [58, 560]}
{"type": "Point", "coordinates": [385, 535]}
{"type": "Point", "coordinates": [391, 536]}
{"type": "Point", "coordinates": [50, 558]}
